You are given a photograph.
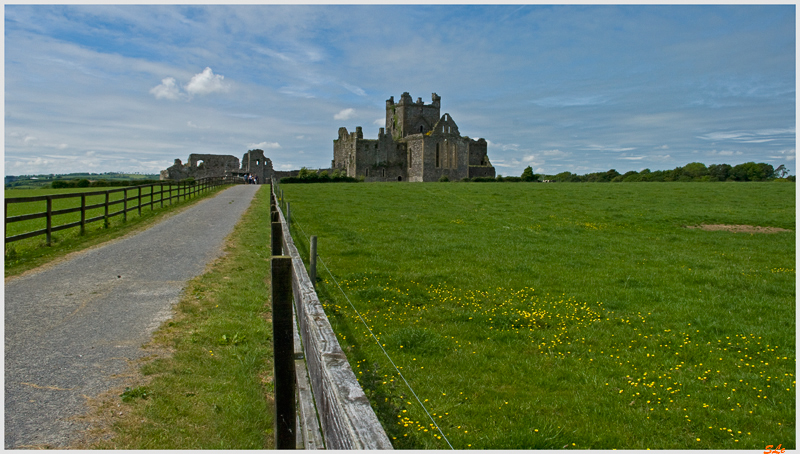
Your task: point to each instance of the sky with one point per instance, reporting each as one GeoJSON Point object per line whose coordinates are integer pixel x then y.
{"type": "Point", "coordinates": [131, 88]}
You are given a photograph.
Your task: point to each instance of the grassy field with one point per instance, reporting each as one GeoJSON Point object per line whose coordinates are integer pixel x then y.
{"type": "Point", "coordinates": [563, 315]}
{"type": "Point", "coordinates": [28, 253]}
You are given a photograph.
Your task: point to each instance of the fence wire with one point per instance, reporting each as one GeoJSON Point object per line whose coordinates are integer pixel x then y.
{"type": "Point", "coordinates": [377, 341]}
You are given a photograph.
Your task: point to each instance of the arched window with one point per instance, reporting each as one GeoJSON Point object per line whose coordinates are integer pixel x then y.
{"type": "Point", "coordinates": [437, 155]}
{"type": "Point", "coordinates": [420, 128]}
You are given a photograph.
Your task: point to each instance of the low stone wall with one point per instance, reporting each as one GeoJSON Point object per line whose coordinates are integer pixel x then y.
{"type": "Point", "coordinates": [481, 171]}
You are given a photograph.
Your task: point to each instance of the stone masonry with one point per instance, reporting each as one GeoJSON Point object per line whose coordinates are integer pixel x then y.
{"type": "Point", "coordinates": [417, 144]}
{"type": "Point", "coordinates": [212, 165]}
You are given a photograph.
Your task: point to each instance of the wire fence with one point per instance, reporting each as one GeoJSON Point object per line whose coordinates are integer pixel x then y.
{"type": "Point", "coordinates": [377, 341]}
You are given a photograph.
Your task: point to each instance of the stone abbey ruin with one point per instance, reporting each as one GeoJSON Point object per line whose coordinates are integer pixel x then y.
{"type": "Point", "coordinates": [417, 144]}
{"type": "Point", "coordinates": [213, 165]}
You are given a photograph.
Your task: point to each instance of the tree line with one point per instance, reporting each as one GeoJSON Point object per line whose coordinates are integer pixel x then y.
{"type": "Point", "coordinates": [694, 171]}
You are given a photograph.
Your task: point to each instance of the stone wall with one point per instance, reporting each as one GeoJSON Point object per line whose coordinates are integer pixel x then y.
{"type": "Point", "coordinates": [416, 145]}
{"type": "Point", "coordinates": [212, 165]}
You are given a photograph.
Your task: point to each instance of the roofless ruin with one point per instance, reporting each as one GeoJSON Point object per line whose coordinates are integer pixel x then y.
{"type": "Point", "coordinates": [417, 144]}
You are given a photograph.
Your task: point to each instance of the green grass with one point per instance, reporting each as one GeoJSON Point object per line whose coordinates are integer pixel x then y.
{"type": "Point", "coordinates": [32, 252]}
{"type": "Point", "coordinates": [554, 315]}
{"type": "Point", "coordinates": [214, 390]}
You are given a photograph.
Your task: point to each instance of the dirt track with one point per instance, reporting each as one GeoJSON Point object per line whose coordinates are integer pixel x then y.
{"type": "Point", "coordinates": [70, 328]}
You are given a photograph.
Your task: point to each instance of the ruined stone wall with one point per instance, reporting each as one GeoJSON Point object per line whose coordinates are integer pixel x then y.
{"type": "Point", "coordinates": [477, 153]}
{"type": "Point", "coordinates": [481, 171]}
{"type": "Point", "coordinates": [415, 145]}
{"type": "Point", "coordinates": [416, 153]}
{"type": "Point", "coordinates": [255, 163]}
{"type": "Point", "coordinates": [213, 165]}
{"type": "Point", "coordinates": [407, 117]}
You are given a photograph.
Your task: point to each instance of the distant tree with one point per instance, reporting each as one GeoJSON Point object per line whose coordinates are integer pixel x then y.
{"type": "Point", "coordinates": [83, 183]}
{"type": "Point", "coordinates": [694, 170]}
{"type": "Point", "coordinates": [631, 177]}
{"type": "Point", "coordinates": [750, 171]}
{"type": "Point", "coordinates": [719, 172]}
{"type": "Point", "coordinates": [527, 174]}
{"type": "Point", "coordinates": [767, 170]}
{"type": "Point", "coordinates": [781, 171]}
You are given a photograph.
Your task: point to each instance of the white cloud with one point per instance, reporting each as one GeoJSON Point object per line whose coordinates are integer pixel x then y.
{"type": "Point", "coordinates": [725, 153]}
{"type": "Point", "coordinates": [354, 89]}
{"type": "Point", "coordinates": [379, 122]}
{"type": "Point", "coordinates": [28, 139]}
{"type": "Point", "coordinates": [192, 125]}
{"type": "Point", "coordinates": [532, 160]}
{"type": "Point", "coordinates": [345, 114]}
{"type": "Point", "coordinates": [168, 89]}
{"type": "Point", "coordinates": [264, 145]}
{"type": "Point", "coordinates": [202, 83]}
{"type": "Point", "coordinates": [206, 82]}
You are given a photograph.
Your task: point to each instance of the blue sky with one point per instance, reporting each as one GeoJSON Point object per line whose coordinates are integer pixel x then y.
{"type": "Point", "coordinates": [560, 88]}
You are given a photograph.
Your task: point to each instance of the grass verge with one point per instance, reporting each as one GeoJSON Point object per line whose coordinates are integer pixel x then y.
{"type": "Point", "coordinates": [207, 383]}
{"type": "Point", "coordinates": [30, 253]}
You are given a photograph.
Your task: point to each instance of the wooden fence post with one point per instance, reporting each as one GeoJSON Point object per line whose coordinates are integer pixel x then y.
{"type": "Point", "coordinates": [288, 214]}
{"type": "Point", "coordinates": [312, 261]}
{"type": "Point", "coordinates": [277, 237]}
{"type": "Point", "coordinates": [83, 214]}
{"type": "Point", "coordinates": [125, 204]}
{"type": "Point", "coordinates": [49, 219]}
{"type": "Point", "coordinates": [139, 202]}
{"type": "Point", "coordinates": [105, 216]}
{"type": "Point", "coordinates": [283, 351]}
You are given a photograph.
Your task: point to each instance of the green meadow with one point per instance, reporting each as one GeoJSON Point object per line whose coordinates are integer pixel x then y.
{"type": "Point", "coordinates": [584, 316]}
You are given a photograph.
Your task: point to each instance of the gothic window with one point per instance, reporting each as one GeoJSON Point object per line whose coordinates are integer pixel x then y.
{"type": "Point", "coordinates": [366, 172]}
{"type": "Point", "coordinates": [420, 128]}
{"type": "Point", "coordinates": [437, 155]}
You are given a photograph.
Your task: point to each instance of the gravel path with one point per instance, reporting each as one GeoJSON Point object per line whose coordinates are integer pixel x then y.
{"type": "Point", "coordinates": [71, 327]}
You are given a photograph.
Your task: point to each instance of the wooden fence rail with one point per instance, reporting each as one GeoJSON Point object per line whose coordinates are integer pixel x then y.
{"type": "Point", "coordinates": [167, 191]}
{"type": "Point", "coordinates": [346, 418]}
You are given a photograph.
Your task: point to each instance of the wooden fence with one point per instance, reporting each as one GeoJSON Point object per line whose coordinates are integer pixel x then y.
{"type": "Point", "coordinates": [167, 192]}
{"type": "Point", "coordinates": [343, 412]}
